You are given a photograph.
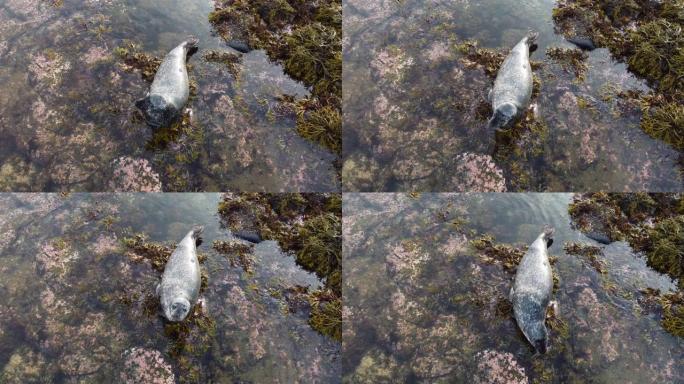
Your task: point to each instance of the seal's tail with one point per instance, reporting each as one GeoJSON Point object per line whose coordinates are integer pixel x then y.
{"type": "Point", "coordinates": [532, 37]}
{"type": "Point", "coordinates": [197, 234]}
{"type": "Point", "coordinates": [548, 235]}
{"type": "Point", "coordinates": [191, 45]}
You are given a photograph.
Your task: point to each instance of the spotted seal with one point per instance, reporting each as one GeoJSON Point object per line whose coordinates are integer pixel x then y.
{"type": "Point", "coordinates": [170, 89]}
{"type": "Point", "coordinates": [531, 291]}
{"type": "Point", "coordinates": [512, 90]}
{"type": "Point", "coordinates": [180, 284]}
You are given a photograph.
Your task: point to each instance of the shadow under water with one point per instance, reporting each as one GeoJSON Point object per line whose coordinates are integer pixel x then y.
{"type": "Point", "coordinates": [68, 120]}
{"type": "Point", "coordinates": [425, 305]}
{"type": "Point", "coordinates": [415, 85]}
{"type": "Point", "coordinates": [77, 304]}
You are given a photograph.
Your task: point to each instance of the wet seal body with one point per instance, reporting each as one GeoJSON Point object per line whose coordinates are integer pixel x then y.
{"type": "Point", "coordinates": [531, 291]}
{"type": "Point", "coordinates": [512, 90]}
{"type": "Point", "coordinates": [180, 284]}
{"type": "Point", "coordinates": [170, 89]}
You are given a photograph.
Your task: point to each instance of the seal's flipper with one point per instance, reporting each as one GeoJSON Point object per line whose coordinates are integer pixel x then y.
{"type": "Point", "coordinates": [549, 242]}
{"type": "Point", "coordinates": [489, 95]}
{"type": "Point", "coordinates": [143, 103]}
{"type": "Point", "coordinates": [556, 307]}
{"type": "Point", "coordinates": [156, 290]}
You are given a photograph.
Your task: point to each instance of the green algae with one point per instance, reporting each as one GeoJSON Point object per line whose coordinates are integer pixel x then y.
{"type": "Point", "coordinates": [326, 314]}
{"type": "Point", "coordinates": [665, 251]}
{"type": "Point", "coordinates": [306, 38]}
{"type": "Point", "coordinates": [665, 122]}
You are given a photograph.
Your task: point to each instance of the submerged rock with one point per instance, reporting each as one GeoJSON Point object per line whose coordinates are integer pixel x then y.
{"type": "Point", "coordinates": [146, 366]}
{"type": "Point", "coordinates": [495, 367]}
{"type": "Point", "coordinates": [134, 175]}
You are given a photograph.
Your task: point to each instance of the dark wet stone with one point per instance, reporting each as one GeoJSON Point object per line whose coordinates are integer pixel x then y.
{"type": "Point", "coordinates": [585, 44]}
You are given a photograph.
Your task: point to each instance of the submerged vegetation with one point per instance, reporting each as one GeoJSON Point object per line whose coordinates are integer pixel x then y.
{"type": "Point", "coordinates": [650, 223]}
{"type": "Point", "coordinates": [309, 226]}
{"type": "Point", "coordinates": [647, 36]}
{"type": "Point", "coordinates": [571, 60]}
{"type": "Point", "coordinates": [589, 252]}
{"type": "Point", "coordinates": [306, 37]}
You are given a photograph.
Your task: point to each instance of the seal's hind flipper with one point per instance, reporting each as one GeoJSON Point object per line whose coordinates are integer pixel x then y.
{"type": "Point", "coordinates": [197, 234]}
{"type": "Point", "coordinates": [532, 37]}
{"type": "Point", "coordinates": [191, 45]}
{"type": "Point", "coordinates": [548, 235]}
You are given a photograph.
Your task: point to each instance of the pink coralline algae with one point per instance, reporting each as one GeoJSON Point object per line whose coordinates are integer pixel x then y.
{"type": "Point", "coordinates": [134, 175]}
{"type": "Point", "coordinates": [478, 173]}
{"type": "Point", "coordinates": [438, 51]}
{"type": "Point", "coordinates": [499, 368]}
{"type": "Point", "coordinates": [390, 64]}
{"type": "Point", "coordinates": [6, 237]}
{"type": "Point", "coordinates": [48, 67]}
{"type": "Point", "coordinates": [455, 245]}
{"type": "Point", "coordinates": [247, 319]}
{"type": "Point", "coordinates": [95, 54]}
{"type": "Point", "coordinates": [105, 244]}
{"type": "Point", "coordinates": [146, 366]}
{"type": "Point", "coordinates": [54, 259]}
{"type": "Point", "coordinates": [405, 261]}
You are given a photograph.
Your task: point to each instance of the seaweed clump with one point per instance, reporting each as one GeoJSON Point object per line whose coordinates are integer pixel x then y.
{"type": "Point", "coordinates": [306, 38]}
{"type": "Point", "coordinates": [570, 60]}
{"type": "Point", "coordinates": [140, 248]}
{"type": "Point", "coordinates": [650, 223]}
{"type": "Point", "coordinates": [509, 256]}
{"type": "Point", "coordinates": [238, 253]}
{"type": "Point", "coordinates": [309, 225]}
{"type": "Point", "coordinates": [134, 59]}
{"type": "Point", "coordinates": [590, 252]}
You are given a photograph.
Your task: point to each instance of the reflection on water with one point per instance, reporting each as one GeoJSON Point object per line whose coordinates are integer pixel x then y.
{"type": "Point", "coordinates": [415, 107]}
{"type": "Point", "coordinates": [68, 122]}
{"type": "Point", "coordinates": [424, 306]}
{"type": "Point", "coordinates": [75, 306]}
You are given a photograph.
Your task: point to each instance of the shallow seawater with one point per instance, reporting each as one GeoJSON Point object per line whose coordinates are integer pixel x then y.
{"type": "Point", "coordinates": [424, 306]}
{"type": "Point", "coordinates": [415, 108]}
{"type": "Point", "coordinates": [68, 120]}
{"type": "Point", "coordinates": [77, 307]}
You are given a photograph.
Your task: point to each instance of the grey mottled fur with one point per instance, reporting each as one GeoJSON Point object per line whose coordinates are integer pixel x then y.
{"type": "Point", "coordinates": [180, 284]}
{"type": "Point", "coordinates": [512, 90]}
{"type": "Point", "coordinates": [531, 291]}
{"type": "Point", "coordinates": [170, 89]}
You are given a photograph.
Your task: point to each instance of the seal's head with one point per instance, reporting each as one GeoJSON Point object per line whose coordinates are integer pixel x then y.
{"type": "Point", "coordinates": [538, 336]}
{"type": "Point", "coordinates": [177, 309]}
{"type": "Point", "coordinates": [158, 112]}
{"type": "Point", "coordinates": [504, 116]}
